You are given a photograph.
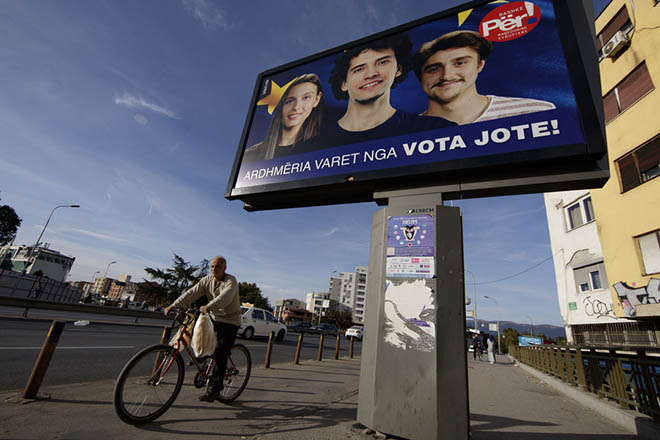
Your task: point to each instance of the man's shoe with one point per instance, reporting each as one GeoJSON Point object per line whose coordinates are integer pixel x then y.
{"type": "Point", "coordinates": [210, 396]}
{"type": "Point", "coordinates": [212, 393]}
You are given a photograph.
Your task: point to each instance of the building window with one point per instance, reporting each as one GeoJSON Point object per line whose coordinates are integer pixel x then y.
{"type": "Point", "coordinates": [620, 22]}
{"type": "Point", "coordinates": [580, 213]}
{"type": "Point", "coordinates": [640, 165]}
{"type": "Point", "coordinates": [630, 90]}
{"type": "Point", "coordinates": [649, 246]}
{"type": "Point", "coordinates": [591, 277]}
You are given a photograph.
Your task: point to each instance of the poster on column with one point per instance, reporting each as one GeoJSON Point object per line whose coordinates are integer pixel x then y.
{"type": "Point", "coordinates": [410, 246]}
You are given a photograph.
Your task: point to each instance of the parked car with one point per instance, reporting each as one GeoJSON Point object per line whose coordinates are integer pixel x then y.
{"type": "Point", "coordinates": [356, 331]}
{"type": "Point", "coordinates": [299, 327]}
{"type": "Point", "coordinates": [260, 322]}
{"type": "Point", "coordinates": [325, 328]}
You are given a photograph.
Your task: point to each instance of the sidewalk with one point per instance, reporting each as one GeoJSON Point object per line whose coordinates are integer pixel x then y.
{"type": "Point", "coordinates": [313, 400]}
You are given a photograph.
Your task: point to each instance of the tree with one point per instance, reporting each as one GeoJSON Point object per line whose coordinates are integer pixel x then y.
{"type": "Point", "coordinates": [251, 293]}
{"type": "Point", "coordinates": [342, 320]}
{"type": "Point", "coordinates": [9, 223]}
{"type": "Point", "coordinates": [172, 282]}
{"type": "Point", "coordinates": [509, 337]}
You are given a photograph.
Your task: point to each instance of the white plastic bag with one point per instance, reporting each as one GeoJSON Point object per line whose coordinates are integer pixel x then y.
{"type": "Point", "coordinates": [203, 340]}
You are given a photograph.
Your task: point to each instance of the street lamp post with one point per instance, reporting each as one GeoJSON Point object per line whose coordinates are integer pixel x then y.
{"type": "Point", "coordinates": [106, 269]}
{"type": "Point", "coordinates": [32, 255]}
{"type": "Point", "coordinates": [497, 313]}
{"type": "Point", "coordinates": [474, 287]}
{"type": "Point", "coordinates": [92, 283]}
{"type": "Point", "coordinates": [36, 244]}
{"type": "Point", "coordinates": [531, 324]}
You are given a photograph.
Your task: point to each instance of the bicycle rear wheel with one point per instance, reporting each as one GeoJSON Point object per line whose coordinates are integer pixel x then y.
{"type": "Point", "coordinates": [148, 385]}
{"type": "Point", "coordinates": [239, 366]}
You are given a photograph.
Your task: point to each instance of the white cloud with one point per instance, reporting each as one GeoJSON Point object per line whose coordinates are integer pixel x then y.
{"type": "Point", "coordinates": [210, 16]}
{"type": "Point", "coordinates": [96, 235]}
{"type": "Point", "coordinates": [138, 102]}
{"type": "Point", "coordinates": [141, 119]}
{"type": "Point", "coordinates": [330, 232]}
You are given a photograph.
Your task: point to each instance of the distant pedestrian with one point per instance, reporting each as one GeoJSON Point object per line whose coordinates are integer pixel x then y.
{"type": "Point", "coordinates": [479, 348]}
{"type": "Point", "coordinates": [38, 289]}
{"type": "Point", "coordinates": [475, 340]}
{"type": "Point", "coordinates": [491, 349]}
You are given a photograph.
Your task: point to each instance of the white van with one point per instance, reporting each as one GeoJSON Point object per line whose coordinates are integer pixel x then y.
{"type": "Point", "coordinates": [260, 322]}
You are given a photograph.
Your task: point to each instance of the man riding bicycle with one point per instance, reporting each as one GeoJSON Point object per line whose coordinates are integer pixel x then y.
{"type": "Point", "coordinates": [224, 305]}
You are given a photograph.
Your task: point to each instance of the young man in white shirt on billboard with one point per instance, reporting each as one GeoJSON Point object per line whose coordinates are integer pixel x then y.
{"type": "Point", "coordinates": [447, 69]}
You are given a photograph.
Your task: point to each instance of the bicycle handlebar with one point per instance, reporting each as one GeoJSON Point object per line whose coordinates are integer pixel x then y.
{"type": "Point", "coordinates": [181, 317]}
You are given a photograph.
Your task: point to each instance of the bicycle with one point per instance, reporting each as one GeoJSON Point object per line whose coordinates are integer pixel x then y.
{"type": "Point", "coordinates": [151, 380]}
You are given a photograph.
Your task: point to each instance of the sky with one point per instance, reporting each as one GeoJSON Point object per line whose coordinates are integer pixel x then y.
{"type": "Point", "coordinates": [134, 111]}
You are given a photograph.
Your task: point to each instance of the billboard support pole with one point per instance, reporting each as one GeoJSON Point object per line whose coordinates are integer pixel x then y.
{"type": "Point", "coordinates": [413, 380]}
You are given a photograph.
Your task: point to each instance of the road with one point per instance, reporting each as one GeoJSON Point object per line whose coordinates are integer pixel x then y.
{"type": "Point", "coordinates": [99, 351]}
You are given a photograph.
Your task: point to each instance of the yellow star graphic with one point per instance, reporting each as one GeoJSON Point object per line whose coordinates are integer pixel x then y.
{"type": "Point", "coordinates": [463, 15]}
{"type": "Point", "coordinates": [276, 93]}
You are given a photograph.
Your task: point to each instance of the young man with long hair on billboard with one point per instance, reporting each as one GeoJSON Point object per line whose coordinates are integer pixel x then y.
{"type": "Point", "coordinates": [365, 76]}
{"type": "Point", "coordinates": [447, 69]}
{"type": "Point", "coordinates": [296, 119]}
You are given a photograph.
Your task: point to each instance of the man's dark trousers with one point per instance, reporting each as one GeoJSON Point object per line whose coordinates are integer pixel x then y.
{"type": "Point", "coordinates": [226, 335]}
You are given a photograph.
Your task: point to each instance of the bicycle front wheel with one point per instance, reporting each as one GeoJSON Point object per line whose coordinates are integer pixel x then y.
{"type": "Point", "coordinates": [239, 366]}
{"type": "Point", "coordinates": [148, 385]}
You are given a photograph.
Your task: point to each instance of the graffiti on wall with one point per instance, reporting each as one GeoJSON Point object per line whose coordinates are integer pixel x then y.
{"type": "Point", "coordinates": [631, 297]}
{"type": "Point", "coordinates": [599, 309]}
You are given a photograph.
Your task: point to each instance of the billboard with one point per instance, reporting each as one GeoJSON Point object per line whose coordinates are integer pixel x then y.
{"type": "Point", "coordinates": [479, 93]}
{"type": "Point", "coordinates": [526, 341]}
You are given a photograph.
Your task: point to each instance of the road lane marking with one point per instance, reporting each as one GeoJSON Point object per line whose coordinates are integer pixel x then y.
{"type": "Point", "coordinates": [96, 347]}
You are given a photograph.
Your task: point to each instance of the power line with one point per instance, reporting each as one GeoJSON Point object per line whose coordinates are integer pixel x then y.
{"type": "Point", "coordinates": [516, 274]}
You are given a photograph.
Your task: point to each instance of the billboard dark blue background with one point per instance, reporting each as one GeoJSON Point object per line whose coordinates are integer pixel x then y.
{"type": "Point", "coordinates": [532, 66]}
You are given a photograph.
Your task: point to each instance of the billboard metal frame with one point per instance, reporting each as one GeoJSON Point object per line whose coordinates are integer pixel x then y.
{"type": "Point", "coordinates": [577, 166]}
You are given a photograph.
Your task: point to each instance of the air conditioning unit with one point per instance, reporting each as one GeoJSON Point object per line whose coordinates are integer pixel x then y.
{"type": "Point", "coordinates": [616, 44]}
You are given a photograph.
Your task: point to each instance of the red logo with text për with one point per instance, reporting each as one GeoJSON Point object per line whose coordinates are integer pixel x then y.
{"type": "Point", "coordinates": [510, 21]}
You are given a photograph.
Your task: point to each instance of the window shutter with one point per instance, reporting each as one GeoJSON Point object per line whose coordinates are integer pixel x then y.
{"type": "Point", "coordinates": [650, 248]}
{"type": "Point", "coordinates": [649, 155]}
{"type": "Point", "coordinates": [628, 173]}
{"type": "Point", "coordinates": [636, 85]}
{"type": "Point", "coordinates": [611, 106]}
{"type": "Point", "coordinates": [615, 24]}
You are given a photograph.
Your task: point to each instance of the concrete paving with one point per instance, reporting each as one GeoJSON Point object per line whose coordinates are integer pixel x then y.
{"type": "Point", "coordinates": [313, 400]}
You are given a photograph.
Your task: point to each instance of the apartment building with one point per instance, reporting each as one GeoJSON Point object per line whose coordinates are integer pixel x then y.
{"type": "Point", "coordinates": [350, 289]}
{"type": "Point", "coordinates": [626, 210]}
{"type": "Point", "coordinates": [584, 294]}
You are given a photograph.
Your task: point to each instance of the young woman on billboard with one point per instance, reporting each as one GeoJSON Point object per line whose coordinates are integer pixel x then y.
{"type": "Point", "coordinates": [296, 119]}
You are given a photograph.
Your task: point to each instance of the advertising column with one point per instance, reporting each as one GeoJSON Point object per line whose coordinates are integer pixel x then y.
{"type": "Point", "coordinates": [413, 379]}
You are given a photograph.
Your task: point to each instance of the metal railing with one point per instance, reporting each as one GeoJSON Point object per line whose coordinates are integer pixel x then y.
{"type": "Point", "coordinates": [630, 376]}
{"type": "Point", "coordinates": [53, 310]}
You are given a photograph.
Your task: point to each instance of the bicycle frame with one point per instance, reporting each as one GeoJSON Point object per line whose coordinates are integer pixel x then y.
{"type": "Point", "coordinates": [182, 341]}
{"type": "Point", "coordinates": [162, 366]}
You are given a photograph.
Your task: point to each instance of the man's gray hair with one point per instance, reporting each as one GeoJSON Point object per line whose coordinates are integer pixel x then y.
{"type": "Point", "coordinates": [221, 258]}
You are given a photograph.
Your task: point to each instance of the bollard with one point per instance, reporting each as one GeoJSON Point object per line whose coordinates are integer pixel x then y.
{"type": "Point", "coordinates": [41, 365]}
{"type": "Point", "coordinates": [269, 350]}
{"type": "Point", "coordinates": [297, 359]}
{"type": "Point", "coordinates": [350, 350]}
{"type": "Point", "coordinates": [167, 333]}
{"type": "Point", "coordinates": [337, 347]}
{"type": "Point", "coordinates": [320, 356]}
